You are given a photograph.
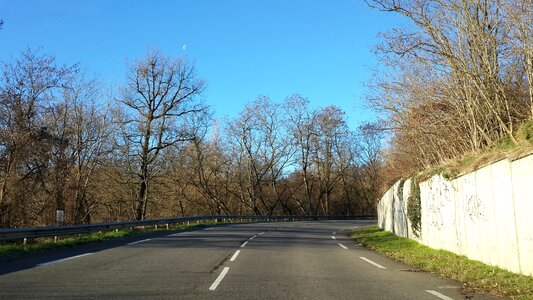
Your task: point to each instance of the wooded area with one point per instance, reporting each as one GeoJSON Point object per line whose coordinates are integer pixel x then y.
{"type": "Point", "coordinates": [151, 149]}
{"type": "Point", "coordinates": [456, 79]}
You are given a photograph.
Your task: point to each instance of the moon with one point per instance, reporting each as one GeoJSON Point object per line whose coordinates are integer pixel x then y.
{"type": "Point", "coordinates": [184, 47]}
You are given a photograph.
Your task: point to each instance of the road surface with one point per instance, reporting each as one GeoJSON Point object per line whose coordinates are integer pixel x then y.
{"type": "Point", "coordinates": [282, 260]}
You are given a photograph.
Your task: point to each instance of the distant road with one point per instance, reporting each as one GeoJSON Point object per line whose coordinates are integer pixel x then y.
{"type": "Point", "coordinates": [289, 260]}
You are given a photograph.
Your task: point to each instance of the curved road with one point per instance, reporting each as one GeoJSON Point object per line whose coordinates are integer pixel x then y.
{"type": "Point", "coordinates": [288, 260]}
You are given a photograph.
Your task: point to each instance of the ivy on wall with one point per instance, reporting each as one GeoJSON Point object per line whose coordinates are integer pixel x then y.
{"type": "Point", "coordinates": [414, 207]}
{"type": "Point", "coordinates": [400, 190]}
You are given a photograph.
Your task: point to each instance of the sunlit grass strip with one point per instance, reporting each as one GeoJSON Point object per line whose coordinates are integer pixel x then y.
{"type": "Point", "coordinates": [476, 276]}
{"type": "Point", "coordinates": [14, 249]}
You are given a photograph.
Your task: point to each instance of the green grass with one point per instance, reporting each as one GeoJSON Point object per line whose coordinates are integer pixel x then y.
{"type": "Point", "coordinates": [467, 160]}
{"type": "Point", "coordinates": [15, 249]}
{"type": "Point", "coordinates": [526, 131]}
{"type": "Point", "coordinates": [476, 276]}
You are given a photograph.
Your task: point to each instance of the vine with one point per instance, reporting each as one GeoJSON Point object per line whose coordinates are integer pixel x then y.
{"type": "Point", "coordinates": [400, 190]}
{"type": "Point", "coordinates": [414, 207]}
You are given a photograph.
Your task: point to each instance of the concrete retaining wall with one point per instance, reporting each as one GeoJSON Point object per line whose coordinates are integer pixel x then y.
{"type": "Point", "coordinates": [486, 215]}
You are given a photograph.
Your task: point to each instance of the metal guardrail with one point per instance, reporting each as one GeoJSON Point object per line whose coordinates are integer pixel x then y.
{"type": "Point", "coordinates": [54, 231]}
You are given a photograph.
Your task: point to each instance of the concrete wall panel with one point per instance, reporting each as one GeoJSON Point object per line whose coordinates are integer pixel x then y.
{"type": "Point", "coordinates": [522, 174]}
{"type": "Point", "coordinates": [505, 229]}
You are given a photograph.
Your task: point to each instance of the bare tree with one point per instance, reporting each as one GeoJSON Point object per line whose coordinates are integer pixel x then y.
{"type": "Point", "coordinates": [161, 94]}
{"type": "Point", "coordinates": [465, 42]}
{"type": "Point", "coordinates": [27, 86]}
{"type": "Point", "coordinates": [301, 124]}
{"type": "Point", "coordinates": [519, 20]}
{"type": "Point", "coordinates": [331, 131]}
{"type": "Point", "coordinates": [92, 130]}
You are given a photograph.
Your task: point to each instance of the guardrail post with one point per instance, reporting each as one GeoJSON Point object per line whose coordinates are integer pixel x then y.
{"type": "Point", "coordinates": [25, 241]}
{"type": "Point", "coordinates": [155, 226]}
{"type": "Point", "coordinates": [55, 239]}
{"type": "Point", "coordinates": [167, 226]}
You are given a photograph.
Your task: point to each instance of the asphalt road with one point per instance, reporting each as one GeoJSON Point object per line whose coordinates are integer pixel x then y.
{"type": "Point", "coordinates": [292, 260]}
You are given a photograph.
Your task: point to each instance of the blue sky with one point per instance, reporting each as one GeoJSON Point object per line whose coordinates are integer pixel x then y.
{"type": "Point", "coordinates": [242, 48]}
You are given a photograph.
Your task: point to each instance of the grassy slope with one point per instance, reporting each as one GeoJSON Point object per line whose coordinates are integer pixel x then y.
{"type": "Point", "coordinates": [10, 249]}
{"type": "Point", "coordinates": [476, 276]}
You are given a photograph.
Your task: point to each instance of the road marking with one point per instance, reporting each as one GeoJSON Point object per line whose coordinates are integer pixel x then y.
{"type": "Point", "coordinates": [244, 244]}
{"type": "Point", "coordinates": [261, 233]}
{"type": "Point", "coordinates": [449, 287]}
{"type": "Point", "coordinates": [439, 295]}
{"type": "Point", "coordinates": [253, 237]}
{"type": "Point", "coordinates": [138, 242]}
{"type": "Point", "coordinates": [334, 233]}
{"type": "Point", "coordinates": [341, 230]}
{"type": "Point", "coordinates": [64, 259]}
{"type": "Point", "coordinates": [333, 237]}
{"type": "Point", "coordinates": [342, 246]}
{"type": "Point", "coordinates": [219, 279]}
{"type": "Point", "coordinates": [235, 255]}
{"type": "Point", "coordinates": [372, 263]}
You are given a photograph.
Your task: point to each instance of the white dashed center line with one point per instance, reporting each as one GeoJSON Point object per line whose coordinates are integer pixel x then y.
{"type": "Point", "coordinates": [342, 246]}
{"type": "Point", "coordinates": [333, 237]}
{"type": "Point", "coordinates": [261, 233]}
{"type": "Point", "coordinates": [439, 295]}
{"type": "Point", "coordinates": [244, 244]}
{"type": "Point", "coordinates": [372, 263]}
{"type": "Point", "coordinates": [138, 242]}
{"type": "Point", "coordinates": [219, 279]}
{"type": "Point", "coordinates": [234, 257]}
{"type": "Point", "coordinates": [64, 259]}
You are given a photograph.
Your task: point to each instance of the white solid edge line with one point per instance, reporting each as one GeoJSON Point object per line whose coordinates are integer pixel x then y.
{"type": "Point", "coordinates": [342, 246]}
{"type": "Point", "coordinates": [64, 259]}
{"type": "Point", "coordinates": [235, 255]}
{"type": "Point", "coordinates": [372, 263]}
{"type": "Point", "coordinates": [137, 242]}
{"type": "Point", "coordinates": [439, 295]}
{"type": "Point", "coordinates": [244, 244]}
{"type": "Point", "coordinates": [334, 238]}
{"type": "Point", "coordinates": [219, 279]}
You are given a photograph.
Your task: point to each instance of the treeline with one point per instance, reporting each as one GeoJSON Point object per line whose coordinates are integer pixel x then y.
{"type": "Point", "coordinates": [152, 149]}
{"type": "Point", "coordinates": [457, 78]}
